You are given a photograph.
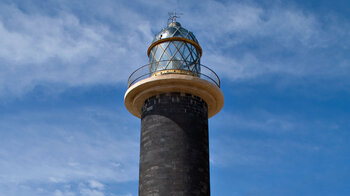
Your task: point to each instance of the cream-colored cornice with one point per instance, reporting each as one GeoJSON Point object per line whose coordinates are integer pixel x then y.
{"type": "Point", "coordinates": [136, 95]}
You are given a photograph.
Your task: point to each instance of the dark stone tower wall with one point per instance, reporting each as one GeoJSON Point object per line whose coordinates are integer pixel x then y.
{"type": "Point", "coordinates": [174, 154]}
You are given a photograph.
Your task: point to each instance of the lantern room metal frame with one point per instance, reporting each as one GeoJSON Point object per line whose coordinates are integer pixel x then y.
{"type": "Point", "coordinates": [175, 48]}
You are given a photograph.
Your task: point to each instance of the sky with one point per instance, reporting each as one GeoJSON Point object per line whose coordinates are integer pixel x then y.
{"type": "Point", "coordinates": [284, 69]}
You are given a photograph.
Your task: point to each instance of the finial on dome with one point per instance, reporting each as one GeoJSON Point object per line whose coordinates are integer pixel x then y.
{"type": "Point", "coordinates": [172, 17]}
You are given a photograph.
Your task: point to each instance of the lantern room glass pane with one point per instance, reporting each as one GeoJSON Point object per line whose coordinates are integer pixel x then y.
{"type": "Point", "coordinates": [174, 55]}
{"type": "Point", "coordinates": [171, 50]}
{"type": "Point", "coordinates": [157, 55]}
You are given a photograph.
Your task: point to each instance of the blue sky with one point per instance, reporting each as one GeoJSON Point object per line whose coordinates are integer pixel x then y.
{"type": "Point", "coordinates": [284, 66]}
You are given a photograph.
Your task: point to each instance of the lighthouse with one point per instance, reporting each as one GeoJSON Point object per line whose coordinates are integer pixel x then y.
{"type": "Point", "coordinates": [174, 95]}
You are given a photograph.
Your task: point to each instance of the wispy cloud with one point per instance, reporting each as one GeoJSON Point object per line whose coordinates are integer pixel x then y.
{"type": "Point", "coordinates": [92, 190]}
{"type": "Point", "coordinates": [97, 185]}
{"type": "Point", "coordinates": [39, 48]}
{"type": "Point", "coordinates": [82, 145]}
{"type": "Point", "coordinates": [246, 40]}
{"type": "Point", "coordinates": [63, 193]}
{"type": "Point", "coordinates": [262, 139]}
{"type": "Point", "coordinates": [108, 44]}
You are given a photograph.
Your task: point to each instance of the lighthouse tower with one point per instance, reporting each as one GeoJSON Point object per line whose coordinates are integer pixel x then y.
{"type": "Point", "coordinates": [174, 95]}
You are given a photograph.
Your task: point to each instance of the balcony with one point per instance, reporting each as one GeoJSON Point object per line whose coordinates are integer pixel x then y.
{"type": "Point", "coordinates": [145, 71]}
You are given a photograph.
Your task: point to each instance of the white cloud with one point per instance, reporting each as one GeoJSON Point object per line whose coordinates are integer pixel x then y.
{"type": "Point", "coordinates": [96, 185]}
{"type": "Point", "coordinates": [128, 194]}
{"type": "Point", "coordinates": [107, 44]}
{"type": "Point", "coordinates": [245, 40]}
{"type": "Point", "coordinates": [231, 23]}
{"type": "Point", "coordinates": [89, 192]}
{"type": "Point", "coordinates": [63, 193]}
{"type": "Point", "coordinates": [260, 139]}
{"type": "Point", "coordinates": [35, 39]}
{"type": "Point", "coordinates": [260, 120]}
{"type": "Point", "coordinates": [38, 48]}
{"type": "Point", "coordinates": [36, 148]}
{"type": "Point", "coordinates": [94, 190]}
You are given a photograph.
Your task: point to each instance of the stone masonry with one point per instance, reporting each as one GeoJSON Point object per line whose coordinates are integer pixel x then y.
{"type": "Point", "coordinates": [174, 154]}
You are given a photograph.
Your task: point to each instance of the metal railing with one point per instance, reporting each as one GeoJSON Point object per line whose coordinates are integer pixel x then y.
{"type": "Point", "coordinates": [144, 72]}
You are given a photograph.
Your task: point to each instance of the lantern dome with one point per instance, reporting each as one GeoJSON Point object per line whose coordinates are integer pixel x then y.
{"type": "Point", "coordinates": [175, 29]}
{"type": "Point", "coordinates": [175, 50]}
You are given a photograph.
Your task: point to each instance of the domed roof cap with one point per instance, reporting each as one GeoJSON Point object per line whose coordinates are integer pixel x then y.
{"type": "Point", "coordinates": [175, 29]}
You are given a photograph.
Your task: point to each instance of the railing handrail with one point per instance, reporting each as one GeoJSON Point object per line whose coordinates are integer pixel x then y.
{"type": "Point", "coordinates": [135, 76]}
